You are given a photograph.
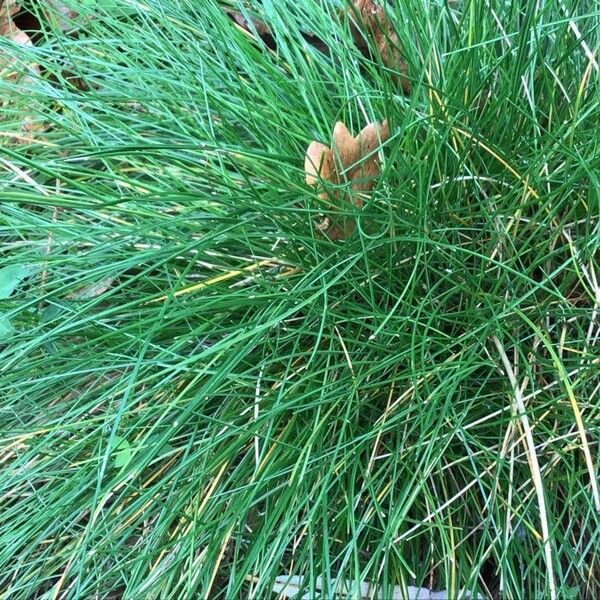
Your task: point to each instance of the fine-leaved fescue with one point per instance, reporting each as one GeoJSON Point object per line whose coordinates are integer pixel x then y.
{"type": "Point", "coordinates": [201, 392]}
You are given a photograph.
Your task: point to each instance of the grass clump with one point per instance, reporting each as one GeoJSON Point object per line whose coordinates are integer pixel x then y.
{"type": "Point", "coordinates": [201, 393]}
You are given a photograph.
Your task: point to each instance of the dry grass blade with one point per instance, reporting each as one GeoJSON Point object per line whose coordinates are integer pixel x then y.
{"type": "Point", "coordinates": [533, 463]}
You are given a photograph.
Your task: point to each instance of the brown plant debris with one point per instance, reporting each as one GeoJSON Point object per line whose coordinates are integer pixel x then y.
{"type": "Point", "coordinates": [15, 73]}
{"type": "Point", "coordinates": [371, 29]}
{"type": "Point", "coordinates": [61, 14]}
{"type": "Point", "coordinates": [254, 25]}
{"type": "Point", "coordinates": [371, 24]}
{"type": "Point", "coordinates": [8, 10]}
{"type": "Point", "coordinates": [349, 160]}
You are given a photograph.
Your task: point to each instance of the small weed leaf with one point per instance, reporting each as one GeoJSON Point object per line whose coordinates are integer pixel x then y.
{"type": "Point", "coordinates": [11, 277]}
{"type": "Point", "coordinates": [122, 452]}
{"type": "Point", "coordinates": [6, 329]}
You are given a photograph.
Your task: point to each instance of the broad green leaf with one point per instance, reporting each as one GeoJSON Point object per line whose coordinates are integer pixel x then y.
{"type": "Point", "coordinates": [10, 277]}
{"type": "Point", "coordinates": [122, 452]}
{"type": "Point", "coordinates": [6, 329]}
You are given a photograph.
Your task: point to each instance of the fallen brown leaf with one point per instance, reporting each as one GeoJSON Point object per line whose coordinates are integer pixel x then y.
{"type": "Point", "coordinates": [351, 160]}
{"type": "Point", "coordinates": [371, 24]}
{"type": "Point", "coordinates": [8, 30]}
{"type": "Point", "coordinates": [371, 30]}
{"type": "Point", "coordinates": [254, 25]}
{"type": "Point", "coordinates": [260, 27]}
{"type": "Point", "coordinates": [13, 72]}
{"type": "Point", "coordinates": [92, 290]}
{"type": "Point", "coordinates": [60, 13]}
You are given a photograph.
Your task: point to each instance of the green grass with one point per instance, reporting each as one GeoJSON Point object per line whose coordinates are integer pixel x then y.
{"type": "Point", "coordinates": [200, 394]}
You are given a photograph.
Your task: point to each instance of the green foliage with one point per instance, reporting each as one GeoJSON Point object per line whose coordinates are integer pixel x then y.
{"type": "Point", "coordinates": [200, 394]}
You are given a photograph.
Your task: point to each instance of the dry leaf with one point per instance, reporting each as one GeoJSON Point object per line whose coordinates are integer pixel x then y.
{"type": "Point", "coordinates": [60, 13]}
{"type": "Point", "coordinates": [92, 290]}
{"type": "Point", "coordinates": [252, 26]}
{"type": "Point", "coordinates": [13, 72]}
{"type": "Point", "coordinates": [371, 30]}
{"type": "Point", "coordinates": [370, 23]}
{"type": "Point", "coordinates": [260, 27]}
{"type": "Point", "coordinates": [351, 160]}
{"type": "Point", "coordinates": [8, 30]}
{"type": "Point", "coordinates": [318, 162]}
